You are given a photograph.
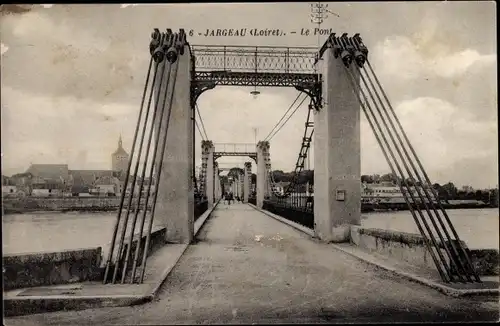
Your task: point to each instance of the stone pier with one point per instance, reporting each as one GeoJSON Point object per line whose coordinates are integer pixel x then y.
{"type": "Point", "coordinates": [207, 154]}
{"type": "Point", "coordinates": [247, 180]}
{"type": "Point", "coordinates": [262, 175]}
{"type": "Point", "coordinates": [175, 203]}
{"type": "Point", "coordinates": [217, 190]}
{"type": "Point", "coordinates": [337, 160]}
{"type": "Point", "coordinates": [241, 186]}
{"type": "Point", "coordinates": [210, 182]}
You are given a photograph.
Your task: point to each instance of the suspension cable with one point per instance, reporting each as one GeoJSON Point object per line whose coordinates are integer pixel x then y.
{"type": "Point", "coordinates": [464, 266]}
{"type": "Point", "coordinates": [452, 255]}
{"type": "Point", "coordinates": [284, 115]}
{"type": "Point", "coordinates": [143, 174]}
{"type": "Point", "coordinates": [410, 175]}
{"type": "Point", "coordinates": [199, 131]}
{"type": "Point", "coordinates": [365, 104]}
{"type": "Point", "coordinates": [162, 155]}
{"type": "Point", "coordinates": [129, 166]}
{"type": "Point", "coordinates": [129, 204]}
{"type": "Point", "coordinates": [284, 123]}
{"type": "Point", "coordinates": [201, 120]}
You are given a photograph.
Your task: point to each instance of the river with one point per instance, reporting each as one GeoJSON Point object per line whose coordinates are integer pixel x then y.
{"type": "Point", "coordinates": [48, 231]}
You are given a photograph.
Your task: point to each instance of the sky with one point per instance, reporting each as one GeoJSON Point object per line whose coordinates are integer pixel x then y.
{"type": "Point", "coordinates": [72, 79]}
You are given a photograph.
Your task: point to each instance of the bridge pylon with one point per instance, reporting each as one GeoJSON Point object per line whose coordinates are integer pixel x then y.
{"type": "Point", "coordinates": [247, 181]}
{"type": "Point", "coordinates": [176, 209]}
{"type": "Point", "coordinates": [207, 155]}
{"type": "Point", "coordinates": [337, 168]}
{"type": "Point", "coordinates": [217, 182]}
{"type": "Point", "coordinates": [241, 179]}
{"type": "Point", "coordinates": [262, 171]}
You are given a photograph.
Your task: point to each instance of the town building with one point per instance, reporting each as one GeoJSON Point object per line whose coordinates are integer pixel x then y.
{"type": "Point", "coordinates": [50, 180]}
{"type": "Point", "coordinates": [120, 158]}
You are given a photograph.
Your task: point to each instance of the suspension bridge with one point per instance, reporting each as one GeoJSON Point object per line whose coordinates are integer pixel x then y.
{"type": "Point", "coordinates": [340, 83]}
{"type": "Point", "coordinates": [346, 81]}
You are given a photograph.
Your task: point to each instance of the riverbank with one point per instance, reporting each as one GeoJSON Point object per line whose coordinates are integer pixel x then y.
{"type": "Point", "coordinates": [384, 207]}
{"type": "Point", "coordinates": [75, 204]}
{"type": "Point", "coordinates": [111, 204]}
{"type": "Point", "coordinates": [62, 205]}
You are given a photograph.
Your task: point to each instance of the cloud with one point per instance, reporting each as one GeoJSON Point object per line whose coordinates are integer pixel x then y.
{"type": "Point", "coordinates": [90, 66]}
{"type": "Point", "coordinates": [5, 48]}
{"type": "Point", "coordinates": [15, 9]}
{"type": "Point", "coordinates": [42, 129]}
{"type": "Point", "coordinates": [405, 58]}
{"type": "Point", "coordinates": [85, 65]}
{"type": "Point", "coordinates": [128, 5]}
{"type": "Point", "coordinates": [443, 137]}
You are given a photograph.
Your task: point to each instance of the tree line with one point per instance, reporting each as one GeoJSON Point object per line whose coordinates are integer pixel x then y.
{"type": "Point", "coordinates": [446, 191]}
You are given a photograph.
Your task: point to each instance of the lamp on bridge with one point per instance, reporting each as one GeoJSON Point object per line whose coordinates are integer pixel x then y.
{"type": "Point", "coordinates": [255, 92]}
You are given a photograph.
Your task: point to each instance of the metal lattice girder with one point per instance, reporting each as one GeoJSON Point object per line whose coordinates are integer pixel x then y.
{"type": "Point", "coordinates": [252, 155]}
{"type": "Point", "coordinates": [234, 147]}
{"type": "Point", "coordinates": [281, 60]}
{"type": "Point", "coordinates": [219, 154]}
{"type": "Point", "coordinates": [230, 78]}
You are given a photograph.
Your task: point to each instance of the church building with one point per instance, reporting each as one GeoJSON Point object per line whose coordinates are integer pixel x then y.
{"type": "Point", "coordinates": [119, 159]}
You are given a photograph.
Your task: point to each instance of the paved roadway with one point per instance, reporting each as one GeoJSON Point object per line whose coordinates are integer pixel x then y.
{"type": "Point", "coordinates": [249, 268]}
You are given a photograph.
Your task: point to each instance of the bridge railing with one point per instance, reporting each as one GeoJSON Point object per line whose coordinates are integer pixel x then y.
{"type": "Point", "coordinates": [252, 200]}
{"type": "Point", "coordinates": [256, 59]}
{"type": "Point", "coordinates": [200, 207]}
{"type": "Point", "coordinates": [301, 215]}
{"type": "Point", "coordinates": [234, 147]}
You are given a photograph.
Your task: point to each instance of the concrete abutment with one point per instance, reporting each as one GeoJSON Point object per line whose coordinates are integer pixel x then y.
{"type": "Point", "coordinates": [337, 154]}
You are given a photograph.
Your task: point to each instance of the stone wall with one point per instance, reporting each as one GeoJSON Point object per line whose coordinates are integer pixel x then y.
{"type": "Point", "coordinates": [411, 248]}
{"type": "Point", "coordinates": [27, 204]}
{"type": "Point", "coordinates": [37, 269]}
{"type": "Point", "coordinates": [70, 266]}
{"type": "Point", "coordinates": [156, 241]}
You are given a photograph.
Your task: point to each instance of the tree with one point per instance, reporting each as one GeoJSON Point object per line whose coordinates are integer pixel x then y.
{"type": "Point", "coordinates": [390, 177]}
{"type": "Point", "coordinates": [493, 197]}
{"type": "Point", "coordinates": [479, 195]}
{"type": "Point", "coordinates": [436, 186]}
{"type": "Point", "coordinates": [367, 178]}
{"type": "Point", "coordinates": [235, 172]}
{"type": "Point", "coordinates": [451, 190]}
{"type": "Point", "coordinates": [409, 182]}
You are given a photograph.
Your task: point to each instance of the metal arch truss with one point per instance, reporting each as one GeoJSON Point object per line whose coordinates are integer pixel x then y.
{"type": "Point", "coordinates": [255, 66]}
{"type": "Point", "coordinates": [252, 155]}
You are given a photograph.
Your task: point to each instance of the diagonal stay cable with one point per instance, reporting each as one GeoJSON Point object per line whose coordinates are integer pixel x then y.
{"type": "Point", "coordinates": [429, 208]}
{"type": "Point", "coordinates": [132, 191]}
{"type": "Point", "coordinates": [199, 131]}
{"type": "Point", "coordinates": [129, 166]}
{"type": "Point", "coordinates": [284, 115]}
{"type": "Point", "coordinates": [379, 135]}
{"type": "Point", "coordinates": [201, 120]}
{"type": "Point", "coordinates": [284, 123]}
{"type": "Point", "coordinates": [426, 177]}
{"type": "Point", "coordinates": [162, 156]}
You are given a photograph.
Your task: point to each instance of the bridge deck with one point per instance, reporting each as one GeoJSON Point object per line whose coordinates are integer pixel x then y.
{"type": "Point", "coordinates": [249, 268]}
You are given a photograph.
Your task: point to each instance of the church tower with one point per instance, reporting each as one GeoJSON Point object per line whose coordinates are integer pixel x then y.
{"type": "Point", "coordinates": [119, 159]}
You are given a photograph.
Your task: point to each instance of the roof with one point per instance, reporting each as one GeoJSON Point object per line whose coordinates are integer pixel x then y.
{"type": "Point", "coordinates": [88, 177]}
{"type": "Point", "coordinates": [106, 180]}
{"type": "Point", "coordinates": [120, 175]}
{"type": "Point", "coordinates": [79, 189]}
{"type": "Point", "coordinates": [49, 171]}
{"type": "Point", "coordinates": [120, 151]}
